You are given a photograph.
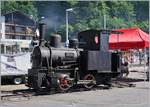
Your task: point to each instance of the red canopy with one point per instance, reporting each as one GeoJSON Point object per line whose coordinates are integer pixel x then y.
{"type": "Point", "coordinates": [131, 38]}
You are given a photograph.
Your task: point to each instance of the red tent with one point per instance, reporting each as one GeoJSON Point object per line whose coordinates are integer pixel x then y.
{"type": "Point", "coordinates": [130, 38]}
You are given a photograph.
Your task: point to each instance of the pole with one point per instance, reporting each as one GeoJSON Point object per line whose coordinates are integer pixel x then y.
{"type": "Point", "coordinates": [67, 41]}
{"type": "Point", "coordinates": [145, 63]}
{"type": "Point", "coordinates": [104, 21]}
{"type": "Point", "coordinates": [2, 32]}
{"type": "Point", "coordinates": [0, 49]}
{"type": "Point", "coordinates": [149, 54]}
{"type": "Point", "coordinates": [67, 36]}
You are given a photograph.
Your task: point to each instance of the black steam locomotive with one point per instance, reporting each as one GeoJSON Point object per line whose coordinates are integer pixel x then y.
{"type": "Point", "coordinates": [87, 61]}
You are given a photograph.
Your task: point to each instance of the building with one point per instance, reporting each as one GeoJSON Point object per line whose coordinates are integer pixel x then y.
{"type": "Point", "coordinates": [19, 31]}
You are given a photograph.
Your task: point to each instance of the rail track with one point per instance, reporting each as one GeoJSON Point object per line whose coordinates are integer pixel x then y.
{"type": "Point", "coordinates": [27, 94]}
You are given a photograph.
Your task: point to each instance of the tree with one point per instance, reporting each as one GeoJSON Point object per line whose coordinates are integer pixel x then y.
{"type": "Point", "coordinates": [141, 9]}
{"type": "Point", "coordinates": [115, 23]}
{"type": "Point", "coordinates": [122, 9]}
{"type": "Point", "coordinates": [144, 25]}
{"type": "Point", "coordinates": [87, 15]}
{"type": "Point", "coordinates": [121, 14]}
{"type": "Point", "coordinates": [90, 15]}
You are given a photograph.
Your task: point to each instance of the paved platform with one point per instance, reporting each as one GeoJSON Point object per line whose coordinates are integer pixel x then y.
{"type": "Point", "coordinates": [116, 97]}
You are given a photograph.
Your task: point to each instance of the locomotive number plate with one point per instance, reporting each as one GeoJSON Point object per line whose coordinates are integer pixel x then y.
{"type": "Point", "coordinates": [69, 55]}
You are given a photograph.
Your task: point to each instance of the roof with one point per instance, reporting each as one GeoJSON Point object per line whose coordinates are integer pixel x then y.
{"type": "Point", "coordinates": [4, 14]}
{"type": "Point", "coordinates": [131, 38]}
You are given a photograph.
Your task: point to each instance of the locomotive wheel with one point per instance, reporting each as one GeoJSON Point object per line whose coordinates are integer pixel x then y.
{"type": "Point", "coordinates": [64, 84]}
{"type": "Point", "coordinates": [89, 77]}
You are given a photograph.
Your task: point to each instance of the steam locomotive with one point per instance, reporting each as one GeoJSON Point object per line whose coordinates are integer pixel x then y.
{"type": "Point", "coordinates": [87, 61]}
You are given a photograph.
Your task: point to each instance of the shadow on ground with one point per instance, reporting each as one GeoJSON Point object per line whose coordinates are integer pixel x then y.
{"type": "Point", "coordinates": [129, 80]}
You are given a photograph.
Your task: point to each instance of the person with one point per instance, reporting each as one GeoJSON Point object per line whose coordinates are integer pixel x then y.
{"type": "Point", "coordinates": [124, 68]}
{"type": "Point", "coordinates": [140, 58]}
{"type": "Point", "coordinates": [147, 61]}
{"type": "Point", "coordinates": [148, 68]}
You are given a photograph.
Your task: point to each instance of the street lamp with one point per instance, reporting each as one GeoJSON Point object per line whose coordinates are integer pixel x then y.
{"type": "Point", "coordinates": [67, 39]}
{"type": "Point", "coordinates": [104, 21]}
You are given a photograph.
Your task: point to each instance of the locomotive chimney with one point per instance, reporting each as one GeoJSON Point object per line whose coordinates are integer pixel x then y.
{"type": "Point", "coordinates": [42, 27]}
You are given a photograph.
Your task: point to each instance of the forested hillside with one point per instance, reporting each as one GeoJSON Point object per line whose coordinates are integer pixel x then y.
{"type": "Point", "coordinates": [85, 14]}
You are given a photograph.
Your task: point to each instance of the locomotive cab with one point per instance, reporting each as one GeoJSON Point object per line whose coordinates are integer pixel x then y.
{"type": "Point", "coordinates": [97, 59]}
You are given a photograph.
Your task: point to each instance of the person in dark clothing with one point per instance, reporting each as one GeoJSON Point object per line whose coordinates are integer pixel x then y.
{"type": "Point", "coordinates": [124, 68]}
{"type": "Point", "coordinates": [148, 68]}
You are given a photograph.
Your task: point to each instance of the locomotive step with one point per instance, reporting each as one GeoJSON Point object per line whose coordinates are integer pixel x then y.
{"type": "Point", "coordinates": [86, 82]}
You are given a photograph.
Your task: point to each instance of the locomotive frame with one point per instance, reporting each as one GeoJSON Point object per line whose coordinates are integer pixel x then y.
{"type": "Point", "coordinates": [87, 61]}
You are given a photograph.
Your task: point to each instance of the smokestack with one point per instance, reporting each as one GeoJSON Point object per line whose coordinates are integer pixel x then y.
{"type": "Point", "coordinates": [42, 27]}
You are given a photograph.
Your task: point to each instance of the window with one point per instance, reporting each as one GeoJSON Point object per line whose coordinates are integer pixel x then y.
{"type": "Point", "coordinates": [8, 37]}
{"type": "Point", "coordinates": [23, 37]}
{"type": "Point", "coordinates": [12, 28]}
{"type": "Point", "coordinates": [8, 29]}
{"type": "Point", "coordinates": [13, 37]}
{"type": "Point", "coordinates": [20, 29]}
{"type": "Point", "coordinates": [29, 37]}
{"type": "Point", "coordinates": [17, 37]}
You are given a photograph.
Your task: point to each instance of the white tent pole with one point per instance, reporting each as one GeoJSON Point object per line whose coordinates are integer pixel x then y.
{"type": "Point", "coordinates": [0, 49]}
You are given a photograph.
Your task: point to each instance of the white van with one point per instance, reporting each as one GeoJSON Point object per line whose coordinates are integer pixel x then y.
{"type": "Point", "coordinates": [14, 67]}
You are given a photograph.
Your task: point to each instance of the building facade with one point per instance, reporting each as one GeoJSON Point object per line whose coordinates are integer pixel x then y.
{"type": "Point", "coordinates": [19, 31]}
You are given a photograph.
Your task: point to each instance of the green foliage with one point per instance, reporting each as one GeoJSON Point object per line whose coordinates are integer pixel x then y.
{"type": "Point", "coordinates": [115, 23]}
{"type": "Point", "coordinates": [144, 25]}
{"type": "Point", "coordinates": [119, 14]}
{"type": "Point", "coordinates": [89, 15]}
{"type": "Point", "coordinates": [72, 2]}
{"type": "Point", "coordinates": [62, 30]}
{"type": "Point", "coordinates": [122, 9]}
{"type": "Point", "coordinates": [141, 9]}
{"type": "Point", "coordinates": [86, 14]}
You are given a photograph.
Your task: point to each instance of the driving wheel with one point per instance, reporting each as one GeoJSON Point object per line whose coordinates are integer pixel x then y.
{"type": "Point", "coordinates": [90, 84]}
